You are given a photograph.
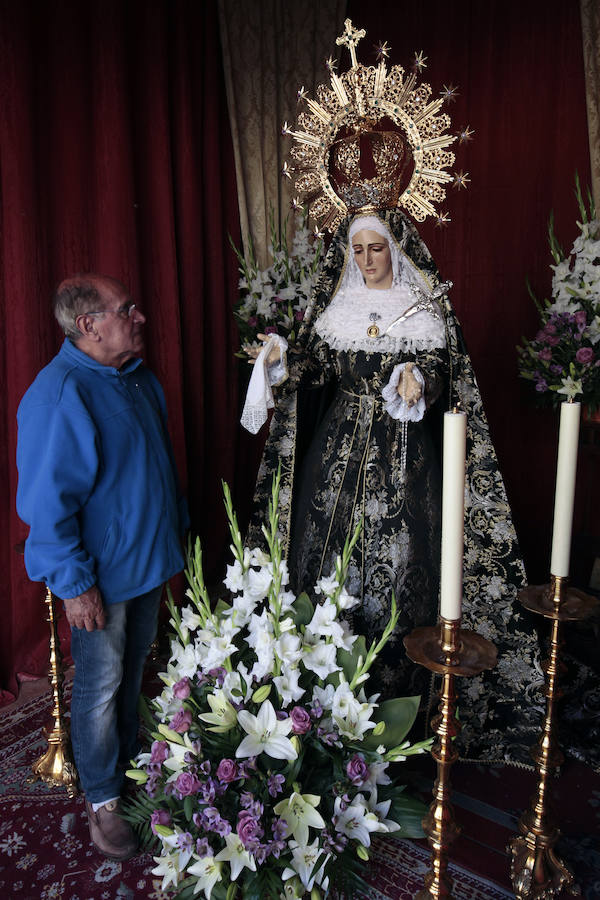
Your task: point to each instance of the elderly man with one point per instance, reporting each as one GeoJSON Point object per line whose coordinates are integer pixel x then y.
{"type": "Point", "coordinates": [99, 490]}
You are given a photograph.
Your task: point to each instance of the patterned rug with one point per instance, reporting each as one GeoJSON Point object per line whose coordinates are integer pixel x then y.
{"type": "Point", "coordinates": [45, 852]}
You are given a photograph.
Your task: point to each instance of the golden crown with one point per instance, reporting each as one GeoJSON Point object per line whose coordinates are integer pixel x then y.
{"type": "Point", "coordinates": [354, 141]}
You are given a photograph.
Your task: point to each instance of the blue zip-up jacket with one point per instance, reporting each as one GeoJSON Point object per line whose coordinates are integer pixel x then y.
{"type": "Point", "coordinates": [97, 479]}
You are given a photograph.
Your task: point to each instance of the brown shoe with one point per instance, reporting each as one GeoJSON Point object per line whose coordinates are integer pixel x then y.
{"type": "Point", "coordinates": [110, 833]}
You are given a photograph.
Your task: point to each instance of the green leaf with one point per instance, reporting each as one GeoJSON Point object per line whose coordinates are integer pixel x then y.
{"type": "Point", "coordinates": [399, 715]}
{"type": "Point", "coordinates": [303, 610]}
{"type": "Point", "coordinates": [188, 808]}
{"type": "Point", "coordinates": [348, 659]}
{"type": "Point", "coordinates": [409, 813]}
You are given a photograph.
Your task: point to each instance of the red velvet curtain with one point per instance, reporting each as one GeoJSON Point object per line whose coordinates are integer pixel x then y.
{"type": "Point", "coordinates": [116, 157]}
{"type": "Point", "coordinates": [518, 66]}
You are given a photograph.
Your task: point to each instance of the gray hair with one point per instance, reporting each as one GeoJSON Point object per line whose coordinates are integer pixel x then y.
{"type": "Point", "coordinates": [74, 297]}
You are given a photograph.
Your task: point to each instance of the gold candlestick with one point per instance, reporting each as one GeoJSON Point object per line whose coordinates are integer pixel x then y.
{"type": "Point", "coordinates": [56, 766]}
{"type": "Point", "coordinates": [449, 651]}
{"type": "Point", "coordinates": [536, 871]}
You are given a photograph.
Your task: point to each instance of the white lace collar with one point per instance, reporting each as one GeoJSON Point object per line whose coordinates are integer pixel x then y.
{"type": "Point", "coordinates": [343, 325]}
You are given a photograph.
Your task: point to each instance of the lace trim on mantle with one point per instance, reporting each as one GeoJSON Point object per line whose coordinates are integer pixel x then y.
{"type": "Point", "coordinates": [343, 325]}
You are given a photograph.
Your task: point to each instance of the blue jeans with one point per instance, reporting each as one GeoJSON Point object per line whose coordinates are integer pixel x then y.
{"type": "Point", "coordinates": [109, 666]}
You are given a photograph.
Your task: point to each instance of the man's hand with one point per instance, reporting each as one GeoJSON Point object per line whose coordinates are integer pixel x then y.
{"type": "Point", "coordinates": [86, 610]}
{"type": "Point", "coordinates": [408, 387]}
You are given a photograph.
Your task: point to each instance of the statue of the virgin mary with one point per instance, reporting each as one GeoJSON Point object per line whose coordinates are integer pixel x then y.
{"type": "Point", "coordinates": [381, 338]}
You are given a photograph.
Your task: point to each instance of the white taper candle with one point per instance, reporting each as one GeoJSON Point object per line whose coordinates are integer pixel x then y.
{"type": "Point", "coordinates": [566, 471]}
{"type": "Point", "coordinates": [453, 512]}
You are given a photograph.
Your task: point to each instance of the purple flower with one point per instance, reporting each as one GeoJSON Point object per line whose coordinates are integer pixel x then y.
{"type": "Point", "coordinates": [556, 369]}
{"type": "Point", "coordinates": [208, 791]}
{"type": "Point", "coordinates": [247, 767]}
{"type": "Point", "coordinates": [300, 720]}
{"type": "Point", "coordinates": [159, 817]}
{"type": "Point", "coordinates": [185, 841]}
{"type": "Point", "coordinates": [316, 709]}
{"type": "Point", "coordinates": [271, 329]}
{"type": "Point", "coordinates": [182, 689]}
{"type": "Point", "coordinates": [246, 799]}
{"type": "Point", "coordinates": [299, 315]}
{"type": "Point", "coordinates": [205, 767]}
{"type": "Point", "coordinates": [222, 827]}
{"type": "Point", "coordinates": [275, 783]}
{"type": "Point", "coordinates": [153, 768]}
{"type": "Point", "coordinates": [203, 848]}
{"type": "Point", "coordinates": [159, 752]}
{"type": "Point", "coordinates": [552, 340]}
{"type": "Point", "coordinates": [541, 386]}
{"type": "Point", "coordinates": [248, 829]}
{"type": "Point", "coordinates": [181, 721]}
{"type": "Point", "coordinates": [581, 319]}
{"type": "Point", "coordinates": [279, 829]}
{"type": "Point", "coordinates": [584, 355]}
{"type": "Point", "coordinates": [227, 771]}
{"type": "Point", "coordinates": [218, 674]}
{"type": "Point", "coordinates": [252, 321]}
{"type": "Point", "coordinates": [211, 815]}
{"type": "Point", "coordinates": [187, 784]}
{"type": "Point", "coordinates": [545, 353]}
{"type": "Point", "coordinates": [357, 770]}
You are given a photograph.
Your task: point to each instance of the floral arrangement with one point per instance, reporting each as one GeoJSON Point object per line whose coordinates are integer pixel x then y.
{"type": "Point", "coordinates": [273, 300]}
{"type": "Point", "coordinates": [563, 360]}
{"type": "Point", "coordinates": [267, 775]}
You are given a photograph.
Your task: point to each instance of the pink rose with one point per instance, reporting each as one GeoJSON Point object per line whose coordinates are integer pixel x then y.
{"type": "Point", "coordinates": [301, 721]}
{"type": "Point", "coordinates": [584, 355]}
{"type": "Point", "coordinates": [182, 689]}
{"type": "Point", "coordinates": [270, 329]}
{"type": "Point", "coordinates": [187, 784]}
{"type": "Point", "coordinates": [252, 321]}
{"type": "Point", "coordinates": [159, 752]}
{"type": "Point", "coordinates": [357, 770]}
{"type": "Point", "coordinates": [248, 828]}
{"type": "Point", "coordinates": [227, 771]}
{"type": "Point", "coordinates": [545, 353]}
{"type": "Point", "coordinates": [181, 720]}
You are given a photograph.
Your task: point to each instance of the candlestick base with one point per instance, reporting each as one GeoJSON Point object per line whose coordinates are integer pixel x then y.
{"type": "Point", "coordinates": [536, 871]}
{"type": "Point", "coordinates": [55, 766]}
{"type": "Point", "coordinates": [448, 650]}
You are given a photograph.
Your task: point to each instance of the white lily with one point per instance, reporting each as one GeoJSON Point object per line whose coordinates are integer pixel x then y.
{"type": "Point", "coordinates": [236, 855]}
{"type": "Point", "coordinates": [356, 821]}
{"type": "Point", "coordinates": [223, 716]}
{"type": "Point", "coordinates": [324, 621]}
{"type": "Point", "coordinates": [208, 872]}
{"type": "Point", "coordinates": [571, 387]}
{"type": "Point", "coordinates": [300, 813]}
{"type": "Point", "coordinates": [168, 869]}
{"type": "Point", "coordinates": [265, 733]}
{"type": "Point", "coordinates": [184, 659]}
{"type": "Point", "coordinates": [381, 810]}
{"type": "Point", "coordinates": [304, 860]}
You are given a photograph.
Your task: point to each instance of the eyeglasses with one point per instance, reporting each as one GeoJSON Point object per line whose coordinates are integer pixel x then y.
{"type": "Point", "coordinates": [124, 312]}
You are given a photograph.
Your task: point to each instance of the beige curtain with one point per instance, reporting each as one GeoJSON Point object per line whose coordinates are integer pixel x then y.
{"type": "Point", "coordinates": [271, 48]}
{"type": "Point", "coordinates": [590, 26]}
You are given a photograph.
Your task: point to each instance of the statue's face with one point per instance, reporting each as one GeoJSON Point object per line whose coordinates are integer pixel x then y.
{"type": "Point", "coordinates": [373, 257]}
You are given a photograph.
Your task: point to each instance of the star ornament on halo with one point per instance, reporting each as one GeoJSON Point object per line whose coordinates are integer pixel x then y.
{"type": "Point", "coordinates": [420, 62]}
{"type": "Point", "coordinates": [465, 135]}
{"type": "Point", "coordinates": [331, 64]}
{"type": "Point", "coordinates": [296, 205]}
{"type": "Point", "coordinates": [449, 93]}
{"type": "Point", "coordinates": [302, 93]}
{"type": "Point", "coordinates": [442, 220]}
{"type": "Point", "coordinates": [382, 50]}
{"type": "Point", "coordinates": [461, 179]}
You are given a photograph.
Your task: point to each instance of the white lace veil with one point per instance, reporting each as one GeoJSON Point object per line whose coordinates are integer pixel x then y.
{"type": "Point", "coordinates": [403, 269]}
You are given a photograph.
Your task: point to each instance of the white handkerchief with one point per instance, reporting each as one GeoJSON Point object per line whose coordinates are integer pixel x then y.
{"type": "Point", "coordinates": [259, 397]}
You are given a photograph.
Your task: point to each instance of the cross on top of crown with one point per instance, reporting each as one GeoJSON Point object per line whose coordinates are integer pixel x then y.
{"type": "Point", "coordinates": [350, 38]}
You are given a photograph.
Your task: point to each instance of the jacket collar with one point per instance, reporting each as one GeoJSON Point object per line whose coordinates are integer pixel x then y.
{"type": "Point", "coordinates": [77, 356]}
